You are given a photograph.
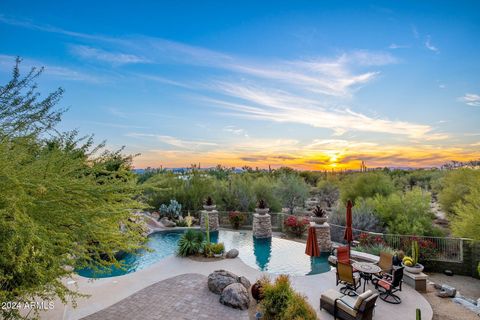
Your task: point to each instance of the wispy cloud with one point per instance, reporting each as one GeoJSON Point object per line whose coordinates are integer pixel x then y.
{"type": "Point", "coordinates": [282, 106]}
{"type": "Point", "coordinates": [415, 32]}
{"type": "Point", "coordinates": [429, 45]}
{"type": "Point", "coordinates": [115, 125]}
{"type": "Point", "coordinates": [66, 73]}
{"type": "Point", "coordinates": [174, 141]}
{"type": "Point", "coordinates": [116, 58]}
{"type": "Point", "coordinates": [471, 99]}
{"type": "Point", "coordinates": [236, 131]}
{"type": "Point", "coordinates": [394, 46]}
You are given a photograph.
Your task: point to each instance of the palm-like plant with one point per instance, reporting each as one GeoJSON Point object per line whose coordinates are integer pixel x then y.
{"type": "Point", "coordinates": [191, 242]}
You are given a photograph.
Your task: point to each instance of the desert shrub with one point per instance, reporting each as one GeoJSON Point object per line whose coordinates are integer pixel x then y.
{"type": "Point", "coordinates": [363, 217]}
{"type": "Point", "coordinates": [281, 302]}
{"type": "Point", "coordinates": [375, 249]}
{"type": "Point", "coordinates": [161, 188]}
{"type": "Point", "coordinates": [181, 223]}
{"type": "Point", "coordinates": [465, 223]}
{"type": "Point", "coordinates": [365, 185]}
{"type": "Point", "coordinates": [456, 185]}
{"type": "Point", "coordinates": [276, 297]}
{"type": "Point", "coordinates": [300, 309]}
{"type": "Point", "coordinates": [244, 196]}
{"type": "Point", "coordinates": [328, 192]}
{"type": "Point", "coordinates": [190, 243]}
{"type": "Point", "coordinates": [296, 225]}
{"type": "Point", "coordinates": [195, 189]}
{"type": "Point", "coordinates": [264, 188]}
{"type": "Point", "coordinates": [292, 190]}
{"type": "Point", "coordinates": [217, 248]}
{"type": "Point", "coordinates": [406, 213]}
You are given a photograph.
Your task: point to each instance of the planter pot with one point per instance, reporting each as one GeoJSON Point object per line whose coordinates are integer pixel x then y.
{"type": "Point", "coordinates": [318, 220]}
{"type": "Point", "coordinates": [418, 268]}
{"type": "Point", "coordinates": [218, 255]}
{"type": "Point", "coordinates": [209, 208]}
{"type": "Point", "coordinates": [262, 211]}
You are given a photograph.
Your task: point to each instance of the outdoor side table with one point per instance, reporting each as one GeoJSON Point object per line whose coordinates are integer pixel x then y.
{"type": "Point", "coordinates": [367, 270]}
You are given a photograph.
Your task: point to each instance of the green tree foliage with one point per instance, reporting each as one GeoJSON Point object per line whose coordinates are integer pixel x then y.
{"type": "Point", "coordinates": [364, 216]}
{"type": "Point", "coordinates": [466, 222]}
{"type": "Point", "coordinates": [61, 205]}
{"type": "Point", "coordinates": [405, 213]}
{"type": "Point", "coordinates": [264, 188]}
{"type": "Point", "coordinates": [455, 186]}
{"type": "Point", "coordinates": [291, 190]}
{"type": "Point", "coordinates": [22, 111]}
{"type": "Point", "coordinates": [365, 185]}
{"type": "Point", "coordinates": [328, 191]}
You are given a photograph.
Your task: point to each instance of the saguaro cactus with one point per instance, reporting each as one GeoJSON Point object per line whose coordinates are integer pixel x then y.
{"type": "Point", "coordinates": [415, 252]}
{"type": "Point", "coordinates": [418, 314]}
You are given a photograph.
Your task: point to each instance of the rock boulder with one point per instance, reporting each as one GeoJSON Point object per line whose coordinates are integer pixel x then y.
{"type": "Point", "coordinates": [220, 279]}
{"type": "Point", "coordinates": [236, 296]}
{"type": "Point", "coordinates": [167, 223]}
{"type": "Point", "coordinates": [233, 253]}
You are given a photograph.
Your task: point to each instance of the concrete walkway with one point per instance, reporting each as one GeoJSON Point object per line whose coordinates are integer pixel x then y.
{"type": "Point", "coordinates": [108, 291]}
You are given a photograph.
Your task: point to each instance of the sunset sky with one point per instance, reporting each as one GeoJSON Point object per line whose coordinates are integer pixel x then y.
{"type": "Point", "coordinates": [307, 84]}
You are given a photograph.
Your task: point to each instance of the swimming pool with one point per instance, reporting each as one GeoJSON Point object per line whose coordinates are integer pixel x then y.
{"type": "Point", "coordinates": [274, 255]}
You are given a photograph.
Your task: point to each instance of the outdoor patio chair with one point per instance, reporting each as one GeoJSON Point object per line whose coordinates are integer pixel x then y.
{"type": "Point", "coordinates": [350, 280]}
{"type": "Point", "coordinates": [388, 285]}
{"type": "Point", "coordinates": [342, 254]}
{"type": "Point", "coordinates": [345, 307]}
{"type": "Point", "coordinates": [386, 262]}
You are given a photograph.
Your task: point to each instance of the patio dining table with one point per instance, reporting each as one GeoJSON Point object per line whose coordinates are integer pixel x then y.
{"type": "Point", "coordinates": [367, 270]}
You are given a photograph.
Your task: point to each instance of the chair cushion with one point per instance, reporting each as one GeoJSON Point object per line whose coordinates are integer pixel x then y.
{"type": "Point", "coordinates": [362, 298]}
{"type": "Point", "coordinates": [330, 296]}
{"type": "Point", "coordinates": [347, 303]}
{"type": "Point", "coordinates": [384, 284]}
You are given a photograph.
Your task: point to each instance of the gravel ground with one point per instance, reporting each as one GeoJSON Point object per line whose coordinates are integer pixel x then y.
{"type": "Point", "coordinates": [445, 308]}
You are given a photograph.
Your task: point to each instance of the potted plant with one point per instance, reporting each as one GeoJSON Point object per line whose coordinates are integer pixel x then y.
{"type": "Point", "coordinates": [319, 215]}
{"type": "Point", "coordinates": [208, 204]}
{"type": "Point", "coordinates": [236, 219]}
{"type": "Point", "coordinates": [411, 263]}
{"type": "Point", "coordinates": [261, 207]}
{"type": "Point", "coordinates": [217, 249]}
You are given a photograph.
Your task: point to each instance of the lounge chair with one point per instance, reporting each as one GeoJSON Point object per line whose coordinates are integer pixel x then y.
{"type": "Point", "coordinates": [345, 307]}
{"type": "Point", "coordinates": [346, 277]}
{"type": "Point", "coordinates": [386, 262]}
{"type": "Point", "coordinates": [388, 285]}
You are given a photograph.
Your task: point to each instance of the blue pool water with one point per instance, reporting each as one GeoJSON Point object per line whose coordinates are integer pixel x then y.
{"type": "Point", "coordinates": [274, 255]}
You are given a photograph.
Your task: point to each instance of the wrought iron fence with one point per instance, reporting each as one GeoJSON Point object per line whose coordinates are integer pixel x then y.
{"type": "Point", "coordinates": [431, 248]}
{"type": "Point", "coordinates": [277, 220]}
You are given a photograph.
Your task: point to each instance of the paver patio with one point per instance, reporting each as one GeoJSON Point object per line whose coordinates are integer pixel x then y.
{"type": "Point", "coordinates": [184, 297]}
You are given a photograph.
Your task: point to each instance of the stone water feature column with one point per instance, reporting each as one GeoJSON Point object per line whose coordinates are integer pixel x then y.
{"type": "Point", "coordinates": [213, 223]}
{"type": "Point", "coordinates": [323, 237]}
{"type": "Point", "coordinates": [262, 225]}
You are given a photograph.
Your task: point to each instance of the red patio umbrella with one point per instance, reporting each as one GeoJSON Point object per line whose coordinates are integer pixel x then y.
{"type": "Point", "coordinates": [312, 244]}
{"type": "Point", "coordinates": [348, 229]}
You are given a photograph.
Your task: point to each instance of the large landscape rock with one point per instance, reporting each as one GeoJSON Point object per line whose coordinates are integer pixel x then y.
{"type": "Point", "coordinates": [233, 253]}
{"type": "Point", "coordinates": [236, 296]}
{"type": "Point", "coordinates": [220, 279]}
{"type": "Point", "coordinates": [167, 223]}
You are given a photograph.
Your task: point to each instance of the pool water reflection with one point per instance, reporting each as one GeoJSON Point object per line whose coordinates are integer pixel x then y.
{"type": "Point", "coordinates": [274, 255]}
